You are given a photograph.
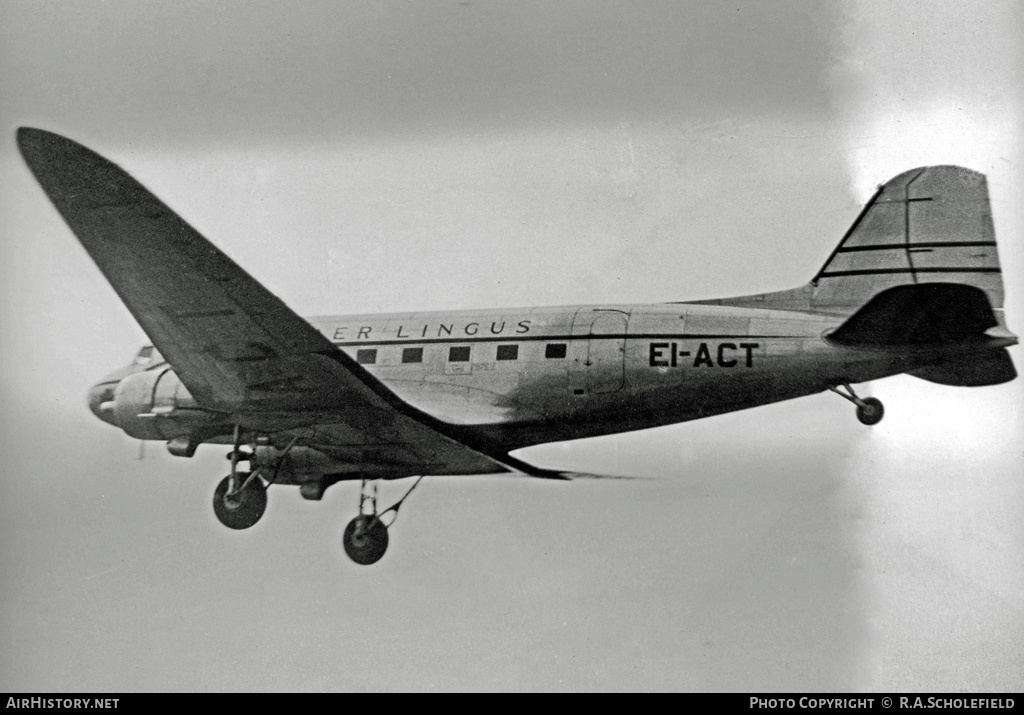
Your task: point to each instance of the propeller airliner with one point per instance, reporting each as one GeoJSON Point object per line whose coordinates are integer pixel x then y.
{"type": "Point", "coordinates": [913, 287]}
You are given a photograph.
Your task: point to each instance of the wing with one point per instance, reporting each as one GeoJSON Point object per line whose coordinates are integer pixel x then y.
{"type": "Point", "coordinates": [237, 348]}
{"type": "Point", "coordinates": [232, 343]}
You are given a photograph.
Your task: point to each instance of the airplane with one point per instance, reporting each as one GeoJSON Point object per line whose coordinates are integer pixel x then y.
{"type": "Point", "coordinates": [914, 286]}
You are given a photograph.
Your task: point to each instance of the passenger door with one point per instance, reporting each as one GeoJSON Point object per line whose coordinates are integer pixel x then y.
{"type": "Point", "coordinates": [599, 362]}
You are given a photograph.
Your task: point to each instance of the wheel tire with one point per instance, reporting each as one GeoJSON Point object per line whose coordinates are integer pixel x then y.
{"type": "Point", "coordinates": [365, 539]}
{"type": "Point", "coordinates": [244, 509]}
{"type": "Point", "coordinates": [871, 412]}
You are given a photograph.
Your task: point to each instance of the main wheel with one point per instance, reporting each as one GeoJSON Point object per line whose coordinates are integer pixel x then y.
{"type": "Point", "coordinates": [871, 412]}
{"type": "Point", "coordinates": [241, 510]}
{"type": "Point", "coordinates": [365, 539]}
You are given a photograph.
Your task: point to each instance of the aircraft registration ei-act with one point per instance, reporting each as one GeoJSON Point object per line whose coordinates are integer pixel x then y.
{"type": "Point", "coordinates": [913, 287]}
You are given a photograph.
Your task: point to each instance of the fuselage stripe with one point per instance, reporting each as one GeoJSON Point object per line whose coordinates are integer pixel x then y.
{"type": "Point", "coordinates": [565, 338]}
{"type": "Point", "coordinates": [884, 271]}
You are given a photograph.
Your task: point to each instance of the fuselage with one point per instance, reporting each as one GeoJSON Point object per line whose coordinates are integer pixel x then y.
{"type": "Point", "coordinates": [531, 375]}
{"type": "Point", "coordinates": [523, 376]}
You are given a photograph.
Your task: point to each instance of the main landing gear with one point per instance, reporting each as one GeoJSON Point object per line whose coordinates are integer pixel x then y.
{"type": "Point", "coordinates": [366, 537]}
{"type": "Point", "coordinates": [241, 497]}
{"type": "Point", "coordinates": [240, 500]}
{"type": "Point", "coordinates": [869, 410]}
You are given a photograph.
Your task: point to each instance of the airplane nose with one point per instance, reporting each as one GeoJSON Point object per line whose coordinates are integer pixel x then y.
{"type": "Point", "coordinates": [101, 401]}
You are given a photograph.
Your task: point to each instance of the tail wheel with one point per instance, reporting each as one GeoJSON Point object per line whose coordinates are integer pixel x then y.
{"type": "Point", "coordinates": [365, 539]}
{"type": "Point", "coordinates": [871, 411]}
{"type": "Point", "coordinates": [243, 508]}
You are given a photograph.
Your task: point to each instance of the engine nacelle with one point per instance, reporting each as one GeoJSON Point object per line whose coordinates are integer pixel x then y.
{"type": "Point", "coordinates": [155, 405]}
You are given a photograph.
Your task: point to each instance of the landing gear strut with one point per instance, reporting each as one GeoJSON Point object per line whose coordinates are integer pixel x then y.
{"type": "Point", "coordinates": [869, 410]}
{"type": "Point", "coordinates": [366, 537]}
{"type": "Point", "coordinates": [241, 497]}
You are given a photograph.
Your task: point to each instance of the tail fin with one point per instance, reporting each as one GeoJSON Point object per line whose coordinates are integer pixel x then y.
{"type": "Point", "coordinates": [928, 225]}
{"type": "Point", "coordinates": [918, 269]}
{"type": "Point", "coordinates": [932, 224]}
{"type": "Point", "coordinates": [919, 266]}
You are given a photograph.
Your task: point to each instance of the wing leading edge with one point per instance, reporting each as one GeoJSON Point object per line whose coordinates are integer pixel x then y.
{"type": "Point", "coordinates": [237, 348]}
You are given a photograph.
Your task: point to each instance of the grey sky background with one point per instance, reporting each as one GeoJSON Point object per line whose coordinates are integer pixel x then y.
{"type": "Point", "coordinates": [360, 157]}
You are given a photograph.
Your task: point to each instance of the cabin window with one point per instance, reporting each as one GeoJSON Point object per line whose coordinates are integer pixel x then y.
{"type": "Point", "coordinates": [508, 352]}
{"type": "Point", "coordinates": [366, 357]}
{"type": "Point", "coordinates": [412, 355]}
{"type": "Point", "coordinates": [554, 350]}
{"type": "Point", "coordinates": [459, 353]}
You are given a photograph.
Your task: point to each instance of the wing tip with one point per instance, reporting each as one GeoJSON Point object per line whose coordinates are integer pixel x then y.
{"type": "Point", "coordinates": [31, 137]}
{"type": "Point", "coordinates": [44, 150]}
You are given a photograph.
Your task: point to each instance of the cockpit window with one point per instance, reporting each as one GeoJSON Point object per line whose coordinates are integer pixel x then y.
{"type": "Point", "coordinates": [148, 356]}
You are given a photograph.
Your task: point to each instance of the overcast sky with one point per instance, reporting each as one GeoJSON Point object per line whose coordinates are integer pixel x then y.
{"type": "Point", "coordinates": [360, 157]}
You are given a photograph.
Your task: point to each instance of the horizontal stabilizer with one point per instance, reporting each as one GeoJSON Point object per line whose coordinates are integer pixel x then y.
{"type": "Point", "coordinates": [993, 368]}
{"type": "Point", "coordinates": [923, 314]}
